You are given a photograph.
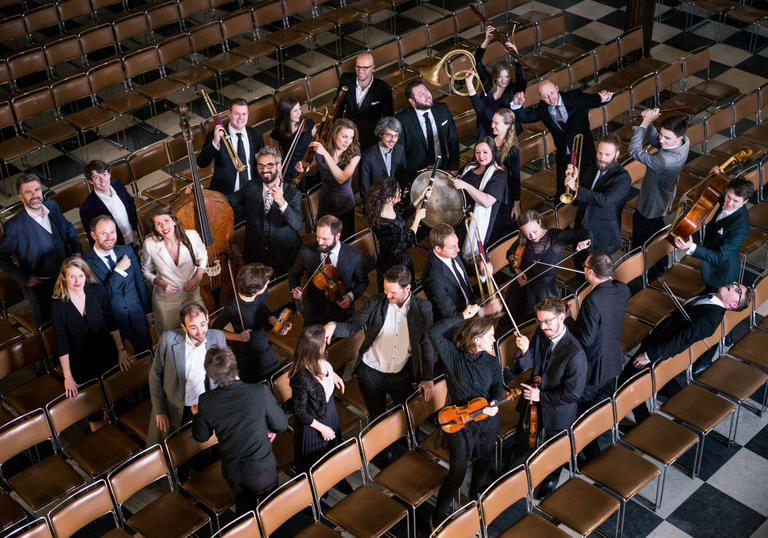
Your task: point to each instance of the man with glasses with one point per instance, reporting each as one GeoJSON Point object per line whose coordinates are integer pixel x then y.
{"type": "Point", "coordinates": [367, 100]}
{"type": "Point", "coordinates": [386, 158]}
{"type": "Point", "coordinates": [272, 215]}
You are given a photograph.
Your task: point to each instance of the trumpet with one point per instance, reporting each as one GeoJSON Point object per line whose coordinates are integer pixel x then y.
{"type": "Point", "coordinates": [570, 194]}
{"type": "Point", "coordinates": [239, 165]}
{"type": "Point", "coordinates": [432, 74]}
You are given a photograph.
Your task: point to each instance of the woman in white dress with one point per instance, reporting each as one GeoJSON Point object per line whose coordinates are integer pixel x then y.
{"type": "Point", "coordinates": [173, 261]}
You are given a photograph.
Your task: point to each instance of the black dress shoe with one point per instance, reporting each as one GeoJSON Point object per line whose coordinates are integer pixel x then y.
{"type": "Point", "coordinates": [547, 487]}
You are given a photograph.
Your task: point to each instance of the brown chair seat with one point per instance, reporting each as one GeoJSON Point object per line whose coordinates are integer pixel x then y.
{"type": "Point", "coordinates": [35, 394]}
{"type": "Point", "coordinates": [732, 377]}
{"type": "Point", "coordinates": [254, 49]}
{"type": "Point", "coordinates": [751, 348]}
{"type": "Point", "coordinates": [684, 281]}
{"type": "Point", "coordinates": [369, 6]}
{"type": "Point", "coordinates": [714, 90]}
{"type": "Point", "coordinates": [342, 15]}
{"type": "Point", "coordinates": [758, 214]}
{"type": "Point", "coordinates": [580, 505]}
{"type": "Point", "coordinates": [563, 53]}
{"type": "Point", "coordinates": [366, 512]}
{"type": "Point", "coordinates": [159, 89]}
{"type": "Point", "coordinates": [698, 103]}
{"type": "Point", "coordinates": [172, 513]}
{"type": "Point", "coordinates": [45, 481]}
{"type": "Point", "coordinates": [10, 512]}
{"type": "Point", "coordinates": [757, 134]}
{"type": "Point", "coordinates": [313, 26]}
{"type": "Point", "coordinates": [754, 240]}
{"type": "Point", "coordinates": [51, 133]}
{"type": "Point", "coordinates": [632, 333]}
{"type": "Point", "coordinates": [430, 445]}
{"type": "Point", "coordinates": [734, 145]}
{"type": "Point", "coordinates": [621, 470]}
{"type": "Point", "coordinates": [533, 525]}
{"type": "Point", "coordinates": [412, 477]}
{"type": "Point", "coordinates": [126, 102]}
{"type": "Point", "coordinates": [89, 118]}
{"type": "Point", "coordinates": [226, 61]}
{"type": "Point", "coordinates": [622, 79]}
{"type": "Point", "coordinates": [317, 530]}
{"type": "Point", "coordinates": [645, 65]}
{"type": "Point", "coordinates": [191, 75]}
{"type": "Point", "coordinates": [16, 147]}
{"type": "Point", "coordinates": [210, 487]}
{"type": "Point", "coordinates": [285, 38]}
{"type": "Point", "coordinates": [541, 64]}
{"type": "Point", "coordinates": [543, 182]}
{"type": "Point", "coordinates": [650, 304]}
{"type": "Point", "coordinates": [698, 407]}
{"type": "Point", "coordinates": [137, 419]}
{"type": "Point", "coordinates": [118, 533]}
{"type": "Point", "coordinates": [101, 450]}
{"type": "Point", "coordinates": [661, 438]}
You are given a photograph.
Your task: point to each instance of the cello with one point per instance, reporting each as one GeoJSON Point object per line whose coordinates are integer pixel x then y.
{"type": "Point", "coordinates": [197, 210]}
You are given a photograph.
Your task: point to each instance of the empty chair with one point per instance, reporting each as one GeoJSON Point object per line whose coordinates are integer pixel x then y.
{"type": "Point", "coordinates": [10, 512]}
{"type": "Point", "coordinates": [144, 61]}
{"type": "Point", "coordinates": [40, 390]}
{"type": "Point", "coordinates": [111, 75]}
{"type": "Point", "coordinates": [284, 503]}
{"type": "Point", "coordinates": [245, 526]}
{"type": "Point", "coordinates": [83, 507]}
{"type": "Point", "coordinates": [36, 529]}
{"type": "Point", "coordinates": [33, 106]}
{"type": "Point", "coordinates": [463, 522]}
{"type": "Point", "coordinates": [119, 384]}
{"type": "Point", "coordinates": [15, 147]}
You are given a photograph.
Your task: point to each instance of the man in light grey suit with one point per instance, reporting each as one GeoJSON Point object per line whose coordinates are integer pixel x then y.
{"type": "Point", "coordinates": [177, 377]}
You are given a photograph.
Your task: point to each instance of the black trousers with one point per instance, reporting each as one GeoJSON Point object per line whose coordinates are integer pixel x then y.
{"type": "Point", "coordinates": [642, 230]}
{"type": "Point", "coordinates": [40, 300]}
{"type": "Point", "coordinates": [375, 385]}
{"type": "Point", "coordinates": [252, 486]}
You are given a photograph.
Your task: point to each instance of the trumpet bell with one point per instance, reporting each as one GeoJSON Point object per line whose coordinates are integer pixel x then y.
{"type": "Point", "coordinates": [431, 74]}
{"type": "Point", "coordinates": [566, 198]}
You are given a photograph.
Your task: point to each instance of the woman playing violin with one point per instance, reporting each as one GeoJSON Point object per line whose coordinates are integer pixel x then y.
{"type": "Point", "coordinates": [287, 120]}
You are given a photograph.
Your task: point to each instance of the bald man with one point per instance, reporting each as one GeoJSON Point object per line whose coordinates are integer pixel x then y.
{"type": "Point", "coordinates": [565, 114]}
{"type": "Point", "coordinates": [368, 99]}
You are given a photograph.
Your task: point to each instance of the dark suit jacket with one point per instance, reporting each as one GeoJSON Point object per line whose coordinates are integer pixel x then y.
{"type": "Point", "coordinates": [93, 207]}
{"type": "Point", "coordinates": [372, 167]}
{"type": "Point", "coordinates": [415, 144]}
{"type": "Point", "coordinates": [376, 104]}
{"type": "Point", "coordinates": [720, 250]}
{"type": "Point", "coordinates": [600, 208]}
{"type": "Point", "coordinates": [240, 415]}
{"type": "Point", "coordinates": [223, 168]}
{"type": "Point", "coordinates": [562, 383]}
{"type": "Point", "coordinates": [371, 318]}
{"type": "Point", "coordinates": [442, 289]}
{"type": "Point", "coordinates": [21, 240]}
{"type": "Point", "coordinates": [128, 295]}
{"type": "Point", "coordinates": [598, 329]}
{"type": "Point", "coordinates": [674, 334]}
{"type": "Point", "coordinates": [271, 238]}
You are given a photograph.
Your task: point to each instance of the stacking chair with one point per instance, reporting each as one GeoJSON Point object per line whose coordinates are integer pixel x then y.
{"type": "Point", "coordinates": [245, 526]}
{"type": "Point", "coordinates": [32, 106]}
{"type": "Point", "coordinates": [208, 37]}
{"type": "Point", "coordinates": [364, 512]}
{"type": "Point", "coordinates": [153, 159]}
{"type": "Point", "coordinates": [506, 491]}
{"type": "Point", "coordinates": [578, 504]}
{"type": "Point", "coordinates": [146, 61]}
{"type": "Point", "coordinates": [36, 529]}
{"type": "Point", "coordinates": [240, 23]}
{"type": "Point", "coordinates": [99, 451]}
{"type": "Point", "coordinates": [419, 410]}
{"type": "Point", "coordinates": [272, 13]}
{"type": "Point", "coordinates": [83, 507]}
{"type": "Point", "coordinates": [41, 483]}
{"type": "Point", "coordinates": [109, 76]}
{"type": "Point", "coordinates": [40, 390]}
{"type": "Point", "coordinates": [13, 147]}
{"type": "Point", "coordinates": [413, 477]}
{"type": "Point", "coordinates": [171, 514]}
{"type": "Point", "coordinates": [340, 353]}
{"type": "Point", "coordinates": [26, 67]}
{"type": "Point", "coordinates": [463, 522]}
{"type": "Point", "coordinates": [68, 92]}
{"type": "Point", "coordinates": [179, 48]}
{"type": "Point", "coordinates": [648, 304]}
{"type": "Point", "coordinates": [684, 280]}
{"type": "Point", "coordinates": [285, 502]}
{"type": "Point", "coordinates": [119, 385]}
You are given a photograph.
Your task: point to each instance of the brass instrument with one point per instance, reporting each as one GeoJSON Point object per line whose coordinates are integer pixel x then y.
{"type": "Point", "coordinates": [239, 165]}
{"type": "Point", "coordinates": [570, 194]}
{"type": "Point", "coordinates": [432, 74]}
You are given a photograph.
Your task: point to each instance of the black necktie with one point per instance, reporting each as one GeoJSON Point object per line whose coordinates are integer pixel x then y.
{"type": "Point", "coordinates": [460, 277]}
{"type": "Point", "coordinates": [559, 118]}
{"type": "Point", "coordinates": [243, 159]}
{"type": "Point", "coordinates": [110, 262]}
{"type": "Point", "coordinates": [547, 356]}
{"type": "Point", "coordinates": [430, 139]}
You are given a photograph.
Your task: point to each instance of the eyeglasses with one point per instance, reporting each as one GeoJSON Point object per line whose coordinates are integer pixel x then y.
{"type": "Point", "coordinates": [738, 288]}
{"type": "Point", "coordinates": [363, 66]}
{"type": "Point", "coordinates": [267, 165]}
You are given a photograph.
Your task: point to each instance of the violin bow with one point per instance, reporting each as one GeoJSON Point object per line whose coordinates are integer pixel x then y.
{"type": "Point", "coordinates": [537, 276]}
{"type": "Point", "coordinates": [237, 295]}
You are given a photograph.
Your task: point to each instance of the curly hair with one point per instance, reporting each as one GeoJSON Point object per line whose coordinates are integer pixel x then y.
{"type": "Point", "coordinates": [382, 190]}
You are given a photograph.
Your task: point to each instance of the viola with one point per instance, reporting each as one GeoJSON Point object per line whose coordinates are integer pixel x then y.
{"type": "Point", "coordinates": [532, 417]}
{"type": "Point", "coordinates": [282, 318]}
{"type": "Point", "coordinates": [517, 257]}
{"type": "Point", "coordinates": [716, 183]}
{"type": "Point", "coordinates": [327, 281]}
{"type": "Point", "coordinates": [453, 418]}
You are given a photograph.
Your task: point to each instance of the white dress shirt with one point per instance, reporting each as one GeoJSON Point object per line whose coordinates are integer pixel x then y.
{"type": "Point", "coordinates": [390, 350]}
{"type": "Point", "coordinates": [266, 194]}
{"type": "Point", "coordinates": [43, 221]}
{"type": "Point", "coordinates": [116, 208]}
{"type": "Point", "coordinates": [194, 359]}
{"type": "Point", "coordinates": [360, 93]}
{"type": "Point", "coordinates": [420, 115]}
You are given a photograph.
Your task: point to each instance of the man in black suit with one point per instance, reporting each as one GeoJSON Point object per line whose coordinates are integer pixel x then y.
{"type": "Point", "coordinates": [674, 334]}
{"type": "Point", "coordinates": [109, 197]}
{"type": "Point", "coordinates": [428, 131]}
{"type": "Point", "coordinates": [719, 252]}
{"type": "Point", "coordinates": [556, 356]}
{"type": "Point", "coordinates": [565, 114]}
{"type": "Point", "coordinates": [367, 99]}
{"type": "Point", "coordinates": [602, 190]}
{"type": "Point", "coordinates": [384, 159]}
{"type": "Point", "coordinates": [445, 279]}
{"type": "Point", "coordinates": [396, 351]}
{"type": "Point", "coordinates": [118, 269]}
{"type": "Point", "coordinates": [245, 419]}
{"type": "Point", "coordinates": [246, 142]}
{"type": "Point", "coordinates": [348, 262]}
{"type": "Point", "coordinates": [273, 215]}
{"type": "Point", "coordinates": [35, 242]}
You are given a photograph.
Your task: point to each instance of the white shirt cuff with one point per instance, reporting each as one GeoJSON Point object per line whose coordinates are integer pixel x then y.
{"type": "Point", "coordinates": [513, 106]}
{"type": "Point", "coordinates": [283, 207]}
{"type": "Point", "coordinates": [691, 249]}
{"type": "Point", "coordinates": [351, 296]}
{"type": "Point", "coordinates": [121, 272]}
{"type": "Point", "coordinates": [216, 146]}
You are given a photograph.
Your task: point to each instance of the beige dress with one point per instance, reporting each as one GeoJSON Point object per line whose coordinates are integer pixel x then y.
{"type": "Point", "coordinates": [156, 262]}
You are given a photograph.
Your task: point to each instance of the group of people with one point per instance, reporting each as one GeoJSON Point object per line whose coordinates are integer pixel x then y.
{"type": "Point", "coordinates": [98, 300]}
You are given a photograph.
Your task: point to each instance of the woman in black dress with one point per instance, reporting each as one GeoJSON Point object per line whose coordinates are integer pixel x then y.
{"type": "Point", "coordinates": [540, 245]}
{"type": "Point", "coordinates": [485, 182]}
{"type": "Point", "coordinates": [312, 381]}
{"type": "Point", "coordinates": [388, 218]}
{"type": "Point", "coordinates": [505, 137]}
{"type": "Point", "coordinates": [256, 360]}
{"type": "Point", "coordinates": [87, 336]}
{"type": "Point", "coordinates": [287, 120]}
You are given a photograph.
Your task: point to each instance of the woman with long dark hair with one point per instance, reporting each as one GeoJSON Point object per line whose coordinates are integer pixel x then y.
{"type": "Point", "coordinates": [173, 260]}
{"type": "Point", "coordinates": [287, 119]}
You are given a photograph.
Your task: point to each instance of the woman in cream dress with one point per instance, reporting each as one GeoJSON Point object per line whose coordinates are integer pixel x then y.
{"type": "Point", "coordinates": [173, 261]}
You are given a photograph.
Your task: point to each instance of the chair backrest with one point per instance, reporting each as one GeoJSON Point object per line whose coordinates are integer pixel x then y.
{"type": "Point", "coordinates": [441, 30]}
{"type": "Point", "coordinates": [497, 253]}
{"type": "Point", "coordinates": [106, 75]}
{"type": "Point", "coordinates": [71, 196]}
{"type": "Point", "coordinates": [143, 469]}
{"type": "Point", "coordinates": [189, 8]}
{"type": "Point", "coordinates": [32, 103]}
{"type": "Point", "coordinates": [119, 383]}
{"type": "Point", "coordinates": [37, 529]}
{"type": "Point", "coordinates": [761, 290]}
{"type": "Point", "coordinates": [464, 522]}
{"type": "Point", "coordinates": [335, 466]}
{"type": "Point", "coordinates": [281, 384]}
{"type": "Point", "coordinates": [582, 67]}
{"type": "Point", "coordinates": [721, 120]}
{"type": "Point", "coordinates": [606, 55]}
{"type": "Point", "coordinates": [69, 90]}
{"type": "Point", "coordinates": [643, 90]}
{"type": "Point", "coordinates": [345, 350]}
{"type": "Point", "coordinates": [630, 267]}
{"type": "Point", "coordinates": [550, 27]}
{"type": "Point", "coordinates": [246, 526]}
{"type": "Point", "coordinates": [384, 431]}
{"type": "Point", "coordinates": [81, 508]}
{"type": "Point", "coordinates": [174, 48]}
{"type": "Point", "coordinates": [549, 457]}
{"type": "Point", "coordinates": [21, 353]}
{"type": "Point", "coordinates": [141, 61]}
{"type": "Point", "coordinates": [13, 27]}
{"type": "Point", "coordinates": [696, 132]}
{"type": "Point", "coordinates": [41, 18]}
{"type": "Point", "coordinates": [415, 40]}
{"type": "Point", "coordinates": [745, 106]}
{"type": "Point", "coordinates": [632, 393]}
{"type": "Point", "coordinates": [162, 15]}
{"type": "Point", "coordinates": [734, 317]}
{"type": "Point", "coordinates": [507, 347]}
{"type": "Point", "coordinates": [96, 38]}
{"type": "Point", "coordinates": [206, 36]}
{"type": "Point", "coordinates": [695, 62]}
{"type": "Point", "coordinates": [66, 411]}
{"type": "Point", "coordinates": [631, 41]}
{"type": "Point", "coordinates": [620, 104]}
{"type": "Point", "coordinates": [238, 23]}
{"type": "Point", "coordinates": [296, 89]}
{"type": "Point", "coordinates": [503, 493]}
{"type": "Point", "coordinates": [591, 424]}
{"type": "Point", "coordinates": [182, 446]}
{"type": "Point", "coordinates": [129, 26]}
{"type": "Point", "coordinates": [363, 241]}
{"type": "Point", "coordinates": [147, 160]}
{"type": "Point", "coordinates": [657, 247]}
{"type": "Point", "coordinates": [22, 433]}
{"type": "Point", "coordinates": [664, 371]}
{"type": "Point", "coordinates": [63, 49]}
{"type": "Point", "coordinates": [419, 409]}
{"type": "Point", "coordinates": [321, 84]}
{"type": "Point", "coordinates": [285, 502]}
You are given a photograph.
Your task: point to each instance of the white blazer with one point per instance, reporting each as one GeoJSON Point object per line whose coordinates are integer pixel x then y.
{"type": "Point", "coordinates": [156, 261]}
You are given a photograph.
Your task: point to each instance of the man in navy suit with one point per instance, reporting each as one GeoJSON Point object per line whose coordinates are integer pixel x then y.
{"type": "Point", "coordinates": [385, 159]}
{"type": "Point", "coordinates": [719, 252]}
{"type": "Point", "coordinates": [109, 197]}
{"type": "Point", "coordinates": [40, 239]}
{"type": "Point", "coordinates": [117, 267]}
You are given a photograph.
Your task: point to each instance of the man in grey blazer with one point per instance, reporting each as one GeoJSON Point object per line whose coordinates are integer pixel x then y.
{"type": "Point", "coordinates": [177, 377]}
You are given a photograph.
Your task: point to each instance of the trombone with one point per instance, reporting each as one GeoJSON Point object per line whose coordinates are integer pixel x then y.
{"type": "Point", "coordinates": [239, 166]}
{"type": "Point", "coordinates": [570, 194]}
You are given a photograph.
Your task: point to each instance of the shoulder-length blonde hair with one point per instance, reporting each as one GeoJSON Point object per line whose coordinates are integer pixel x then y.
{"type": "Point", "coordinates": [510, 139]}
{"type": "Point", "coordinates": [60, 290]}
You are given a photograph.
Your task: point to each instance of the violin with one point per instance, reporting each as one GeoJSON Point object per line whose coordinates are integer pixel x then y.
{"type": "Point", "coordinates": [717, 182]}
{"type": "Point", "coordinates": [453, 418]}
{"type": "Point", "coordinates": [532, 417]}
{"type": "Point", "coordinates": [282, 318]}
{"type": "Point", "coordinates": [517, 257]}
{"type": "Point", "coordinates": [327, 280]}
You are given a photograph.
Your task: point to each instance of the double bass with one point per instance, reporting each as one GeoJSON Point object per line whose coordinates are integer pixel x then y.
{"type": "Point", "coordinates": [210, 214]}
